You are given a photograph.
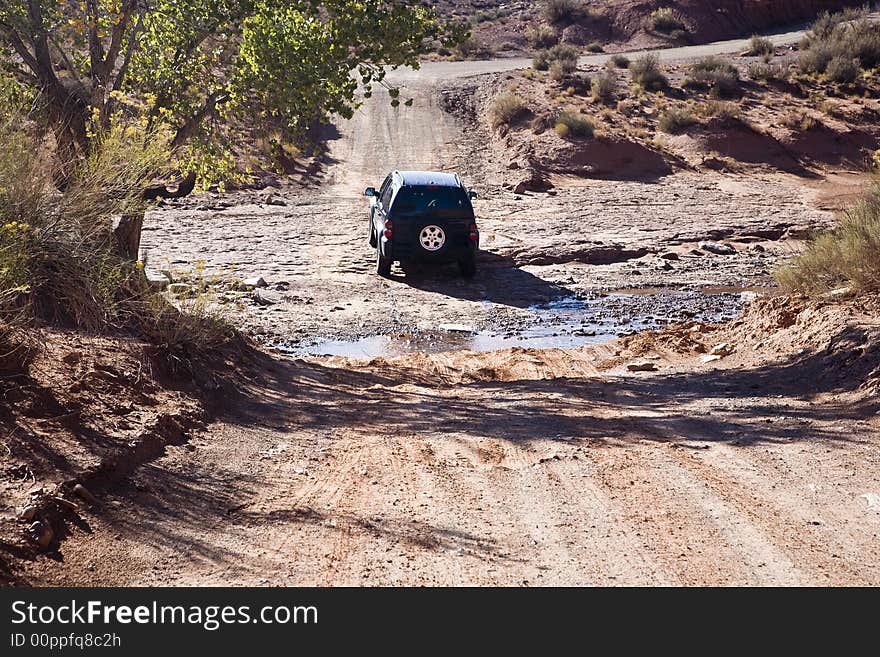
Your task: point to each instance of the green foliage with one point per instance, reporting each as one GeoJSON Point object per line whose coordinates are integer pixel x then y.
{"type": "Point", "coordinates": [620, 61]}
{"type": "Point", "coordinates": [846, 256]}
{"type": "Point", "coordinates": [676, 120]}
{"type": "Point", "coordinates": [207, 67]}
{"type": "Point", "coordinates": [595, 47]}
{"type": "Point", "coordinates": [645, 72]}
{"type": "Point", "coordinates": [570, 125]}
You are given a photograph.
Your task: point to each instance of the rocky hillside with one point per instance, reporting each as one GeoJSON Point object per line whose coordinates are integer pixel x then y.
{"type": "Point", "coordinates": [622, 24]}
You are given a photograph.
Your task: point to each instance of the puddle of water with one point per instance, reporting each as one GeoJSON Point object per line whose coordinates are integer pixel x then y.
{"type": "Point", "coordinates": [566, 323]}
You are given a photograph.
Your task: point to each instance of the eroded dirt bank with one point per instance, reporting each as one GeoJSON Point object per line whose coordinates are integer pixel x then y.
{"type": "Point", "coordinates": [525, 468]}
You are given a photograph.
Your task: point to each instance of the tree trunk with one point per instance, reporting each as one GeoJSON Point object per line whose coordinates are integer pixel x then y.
{"type": "Point", "coordinates": [127, 235]}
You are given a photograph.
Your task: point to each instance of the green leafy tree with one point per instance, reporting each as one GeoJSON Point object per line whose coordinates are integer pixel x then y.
{"type": "Point", "coordinates": [199, 68]}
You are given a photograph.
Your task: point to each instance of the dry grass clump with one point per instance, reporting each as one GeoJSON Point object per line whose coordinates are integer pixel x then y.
{"type": "Point", "coordinates": [718, 75]}
{"type": "Point", "coordinates": [505, 109]}
{"type": "Point", "coordinates": [846, 256]}
{"type": "Point", "coordinates": [570, 125]}
{"type": "Point", "coordinates": [646, 73]}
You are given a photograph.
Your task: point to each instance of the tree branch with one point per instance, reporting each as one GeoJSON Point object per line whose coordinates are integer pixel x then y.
{"type": "Point", "coordinates": [117, 35]}
{"type": "Point", "coordinates": [129, 51]}
{"type": "Point", "coordinates": [192, 123]}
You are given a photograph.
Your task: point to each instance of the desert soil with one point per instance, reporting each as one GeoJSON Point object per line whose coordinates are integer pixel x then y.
{"type": "Point", "coordinates": [515, 467]}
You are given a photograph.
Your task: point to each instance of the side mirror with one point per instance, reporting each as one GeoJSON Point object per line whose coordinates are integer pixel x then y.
{"type": "Point", "coordinates": [370, 191]}
{"type": "Point", "coordinates": [472, 195]}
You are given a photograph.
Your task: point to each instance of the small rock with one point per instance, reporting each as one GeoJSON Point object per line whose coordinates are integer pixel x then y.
{"type": "Point", "coordinates": [669, 255]}
{"type": "Point", "coordinates": [710, 358]}
{"type": "Point", "coordinates": [41, 533]}
{"type": "Point", "coordinates": [642, 366]}
{"type": "Point", "coordinates": [72, 358]}
{"type": "Point", "coordinates": [722, 349]}
{"type": "Point", "coordinates": [255, 282]}
{"type": "Point", "coordinates": [717, 248]}
{"type": "Point", "coordinates": [838, 293]}
{"type": "Point", "coordinates": [84, 493]}
{"type": "Point", "coordinates": [275, 200]}
{"type": "Point", "coordinates": [799, 232]}
{"type": "Point", "coordinates": [758, 345]}
{"type": "Point", "coordinates": [758, 248]}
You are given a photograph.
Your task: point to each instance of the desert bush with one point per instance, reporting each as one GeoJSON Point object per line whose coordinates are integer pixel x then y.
{"type": "Point", "coordinates": [505, 109]}
{"type": "Point", "coordinates": [664, 20]}
{"type": "Point", "coordinates": [595, 46]}
{"type": "Point", "coordinates": [568, 55]}
{"type": "Point", "coordinates": [717, 109]}
{"type": "Point", "coordinates": [832, 37]}
{"type": "Point", "coordinates": [58, 260]}
{"type": "Point", "coordinates": [474, 48]}
{"type": "Point", "coordinates": [718, 75]}
{"type": "Point", "coordinates": [563, 12]}
{"type": "Point", "coordinates": [604, 87]}
{"type": "Point", "coordinates": [542, 36]}
{"type": "Point", "coordinates": [676, 120]}
{"type": "Point", "coordinates": [620, 61]}
{"type": "Point", "coordinates": [570, 125]}
{"type": "Point", "coordinates": [842, 69]}
{"type": "Point", "coordinates": [560, 69]}
{"type": "Point", "coordinates": [799, 121]}
{"type": "Point", "coordinates": [845, 256]}
{"type": "Point", "coordinates": [764, 72]}
{"type": "Point", "coordinates": [759, 46]}
{"type": "Point", "coordinates": [645, 72]}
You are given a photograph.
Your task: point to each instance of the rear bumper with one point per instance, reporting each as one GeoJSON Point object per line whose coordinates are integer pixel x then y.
{"type": "Point", "coordinates": [408, 252]}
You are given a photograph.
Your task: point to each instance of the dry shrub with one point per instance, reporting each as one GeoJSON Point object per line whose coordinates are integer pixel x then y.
{"type": "Point", "coordinates": [718, 75]}
{"type": "Point", "coordinates": [58, 262]}
{"type": "Point", "coordinates": [760, 46]}
{"type": "Point", "coordinates": [573, 126]}
{"type": "Point", "coordinates": [765, 72]}
{"type": "Point", "coordinates": [846, 35]}
{"type": "Point", "coordinates": [620, 61]}
{"type": "Point", "coordinates": [604, 87]}
{"type": "Point", "coordinates": [563, 12]}
{"type": "Point", "coordinates": [664, 20]}
{"type": "Point", "coordinates": [542, 36]}
{"type": "Point", "coordinates": [842, 69]}
{"type": "Point", "coordinates": [505, 109]}
{"type": "Point", "coordinates": [645, 72]}
{"type": "Point", "coordinates": [845, 256]}
{"type": "Point", "coordinates": [676, 120]}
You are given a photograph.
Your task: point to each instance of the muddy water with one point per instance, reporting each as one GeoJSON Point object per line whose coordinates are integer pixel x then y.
{"type": "Point", "coordinates": [564, 323]}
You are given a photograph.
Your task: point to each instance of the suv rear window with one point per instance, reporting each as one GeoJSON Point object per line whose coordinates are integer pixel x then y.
{"type": "Point", "coordinates": [426, 198]}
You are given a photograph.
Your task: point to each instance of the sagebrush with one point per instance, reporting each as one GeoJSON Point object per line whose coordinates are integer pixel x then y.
{"type": "Point", "coordinates": [846, 256]}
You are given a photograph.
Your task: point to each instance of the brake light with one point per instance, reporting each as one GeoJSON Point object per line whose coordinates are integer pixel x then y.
{"type": "Point", "coordinates": [473, 227]}
{"type": "Point", "coordinates": [388, 224]}
{"type": "Point", "coordinates": [473, 237]}
{"type": "Point", "coordinates": [388, 234]}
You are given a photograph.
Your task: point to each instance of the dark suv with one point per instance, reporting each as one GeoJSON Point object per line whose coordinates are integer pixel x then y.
{"type": "Point", "coordinates": [423, 216]}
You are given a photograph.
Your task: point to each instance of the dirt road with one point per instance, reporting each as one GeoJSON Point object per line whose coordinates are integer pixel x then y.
{"type": "Point", "coordinates": [515, 467]}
